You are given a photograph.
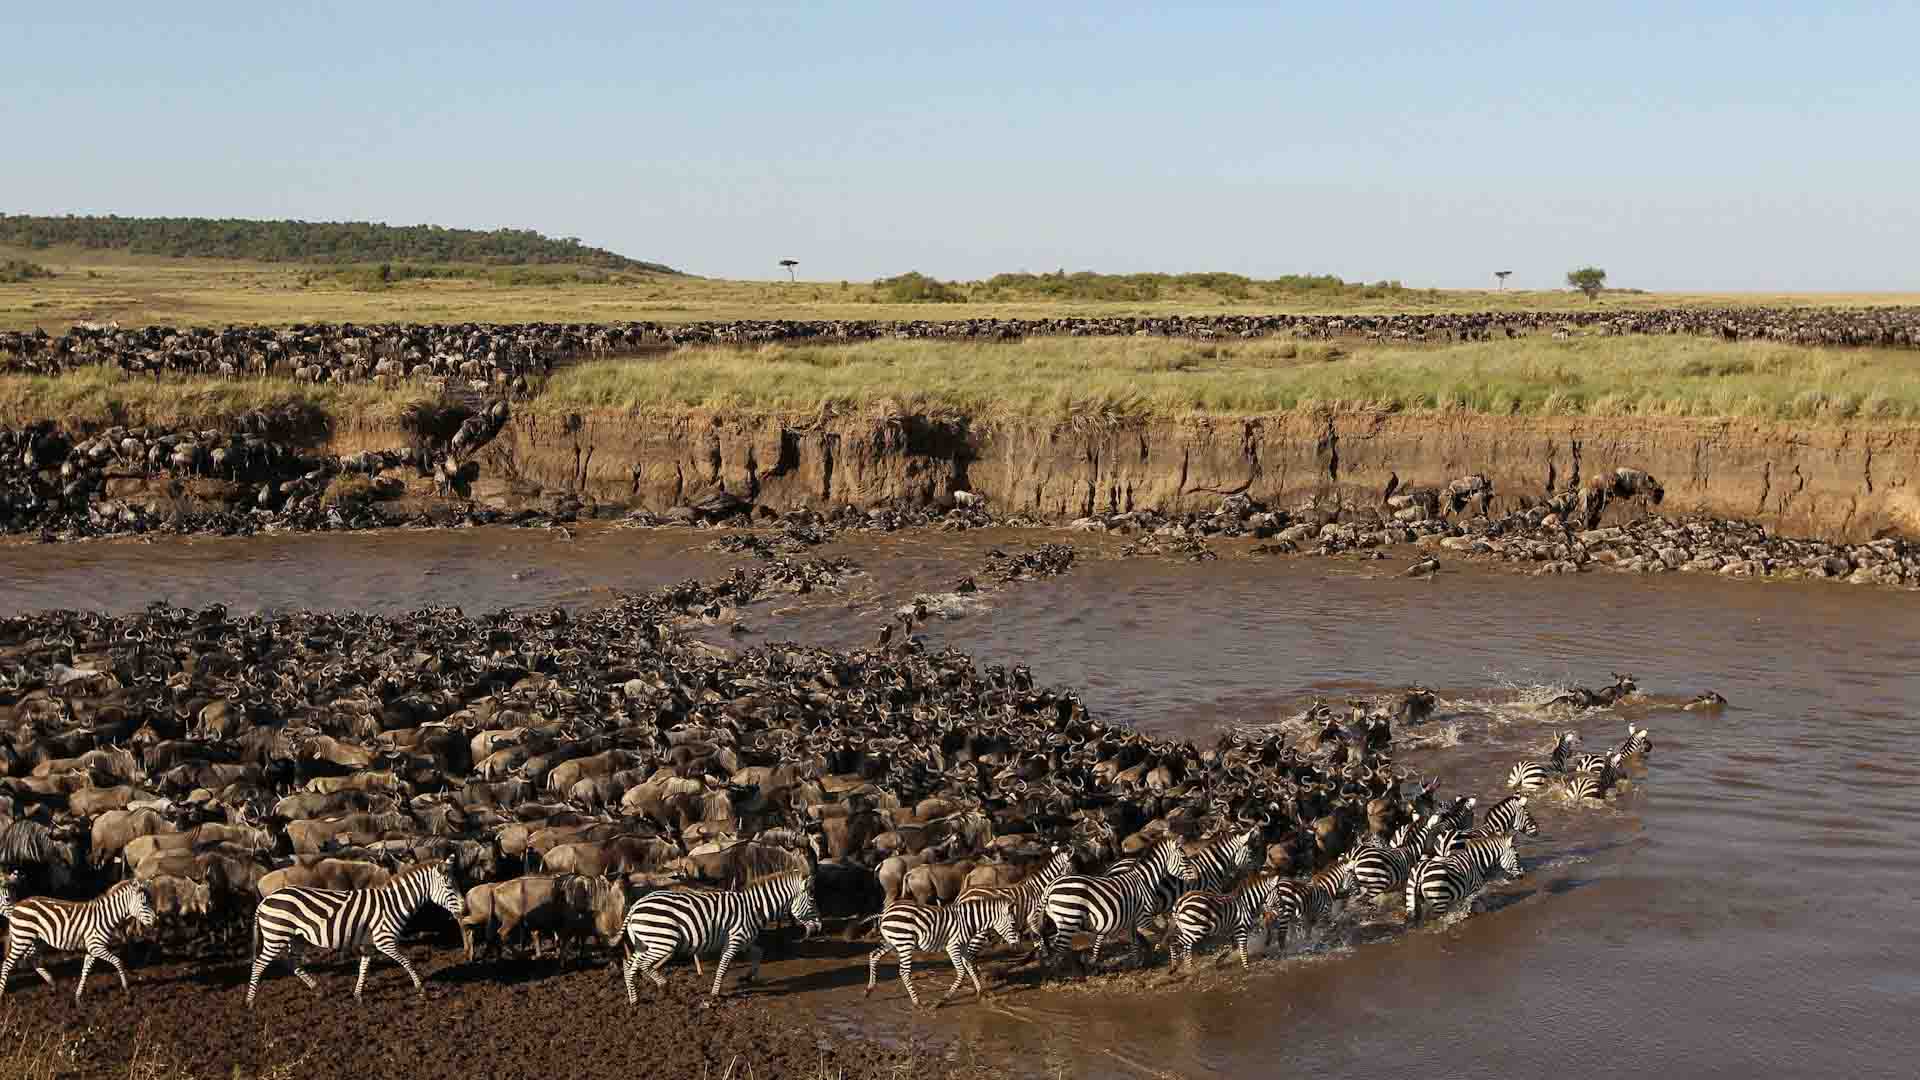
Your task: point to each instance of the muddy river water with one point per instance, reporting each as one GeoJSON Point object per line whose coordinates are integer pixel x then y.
{"type": "Point", "coordinates": [1749, 905]}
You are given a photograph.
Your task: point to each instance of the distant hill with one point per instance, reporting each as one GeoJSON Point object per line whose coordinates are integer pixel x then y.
{"type": "Point", "coordinates": [308, 241]}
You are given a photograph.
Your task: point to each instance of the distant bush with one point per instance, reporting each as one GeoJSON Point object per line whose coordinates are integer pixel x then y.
{"type": "Point", "coordinates": [913, 287]}
{"type": "Point", "coordinates": [16, 271]}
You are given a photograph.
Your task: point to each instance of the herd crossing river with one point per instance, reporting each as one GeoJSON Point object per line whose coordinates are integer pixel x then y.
{"type": "Point", "coordinates": [1736, 901]}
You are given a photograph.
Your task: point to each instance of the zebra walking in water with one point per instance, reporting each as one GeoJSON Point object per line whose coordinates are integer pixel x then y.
{"type": "Point", "coordinates": [1595, 783]}
{"type": "Point", "coordinates": [1443, 880]}
{"type": "Point", "coordinates": [1117, 902]}
{"type": "Point", "coordinates": [660, 925]}
{"type": "Point", "coordinates": [1021, 898]}
{"type": "Point", "coordinates": [1204, 913]}
{"type": "Point", "coordinates": [1301, 904]}
{"type": "Point", "coordinates": [1535, 775]}
{"type": "Point", "coordinates": [958, 930]}
{"type": "Point", "coordinates": [1509, 815]}
{"type": "Point", "coordinates": [363, 919]}
{"type": "Point", "coordinates": [64, 926]}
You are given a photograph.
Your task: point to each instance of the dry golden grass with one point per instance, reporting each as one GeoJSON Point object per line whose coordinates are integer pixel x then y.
{"type": "Point", "coordinates": [103, 395]}
{"type": "Point", "coordinates": [1115, 379]}
{"type": "Point", "coordinates": [1101, 381]}
{"type": "Point", "coordinates": [138, 290]}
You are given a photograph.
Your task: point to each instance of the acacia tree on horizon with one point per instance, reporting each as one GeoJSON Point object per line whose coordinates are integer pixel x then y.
{"type": "Point", "coordinates": [1588, 279]}
{"type": "Point", "coordinates": [1503, 275]}
{"type": "Point", "coordinates": [790, 264]}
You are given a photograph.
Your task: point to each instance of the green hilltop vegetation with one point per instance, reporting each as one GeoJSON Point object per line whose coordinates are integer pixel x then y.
{"type": "Point", "coordinates": [338, 242]}
{"type": "Point", "coordinates": [917, 288]}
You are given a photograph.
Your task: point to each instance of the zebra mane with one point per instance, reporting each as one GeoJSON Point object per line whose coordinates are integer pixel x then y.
{"type": "Point", "coordinates": [762, 879]}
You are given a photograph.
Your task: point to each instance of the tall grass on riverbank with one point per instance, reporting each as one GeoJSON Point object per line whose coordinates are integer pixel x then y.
{"type": "Point", "coordinates": [1137, 378]}
{"type": "Point", "coordinates": [104, 395]}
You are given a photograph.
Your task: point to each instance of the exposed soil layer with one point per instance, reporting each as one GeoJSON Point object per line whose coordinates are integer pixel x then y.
{"type": "Point", "coordinates": [1832, 483]}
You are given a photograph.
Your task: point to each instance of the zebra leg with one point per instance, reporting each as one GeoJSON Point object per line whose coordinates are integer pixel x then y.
{"type": "Point", "coordinates": [906, 976]}
{"type": "Point", "coordinates": [15, 951]}
{"type": "Point", "coordinates": [1240, 942]}
{"type": "Point", "coordinates": [873, 969]}
{"type": "Point", "coordinates": [86, 967]}
{"type": "Point", "coordinates": [100, 952]}
{"type": "Point", "coordinates": [359, 984]}
{"type": "Point", "coordinates": [653, 970]}
{"type": "Point", "coordinates": [726, 957]}
{"type": "Point", "coordinates": [1093, 962]}
{"type": "Point", "coordinates": [294, 949]}
{"type": "Point", "coordinates": [391, 949]}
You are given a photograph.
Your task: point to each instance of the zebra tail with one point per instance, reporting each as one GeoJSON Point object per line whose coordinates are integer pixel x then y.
{"type": "Point", "coordinates": [256, 938]}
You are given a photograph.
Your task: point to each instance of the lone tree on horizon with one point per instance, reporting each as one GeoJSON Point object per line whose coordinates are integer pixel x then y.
{"type": "Point", "coordinates": [1503, 275]}
{"type": "Point", "coordinates": [790, 264]}
{"type": "Point", "coordinates": [1588, 279]}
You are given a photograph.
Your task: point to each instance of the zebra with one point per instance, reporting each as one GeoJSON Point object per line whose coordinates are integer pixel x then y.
{"type": "Point", "coordinates": [959, 929]}
{"type": "Point", "coordinates": [66, 926]}
{"type": "Point", "coordinates": [1203, 913]}
{"type": "Point", "coordinates": [367, 920]}
{"type": "Point", "coordinates": [1457, 817]}
{"type": "Point", "coordinates": [1594, 784]}
{"type": "Point", "coordinates": [1534, 775]}
{"type": "Point", "coordinates": [662, 924]}
{"type": "Point", "coordinates": [1299, 905]}
{"type": "Point", "coordinates": [1509, 815]}
{"type": "Point", "coordinates": [1377, 870]}
{"type": "Point", "coordinates": [1441, 881]}
{"type": "Point", "coordinates": [1218, 865]}
{"type": "Point", "coordinates": [1022, 897]}
{"type": "Point", "coordinates": [1637, 743]}
{"type": "Point", "coordinates": [1122, 900]}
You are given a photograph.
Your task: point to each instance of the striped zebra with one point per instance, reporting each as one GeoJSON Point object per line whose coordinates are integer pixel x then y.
{"type": "Point", "coordinates": [1457, 817]}
{"type": "Point", "coordinates": [1021, 897]}
{"type": "Point", "coordinates": [1204, 913]}
{"type": "Point", "coordinates": [65, 926]}
{"type": "Point", "coordinates": [1118, 902]}
{"type": "Point", "coordinates": [1535, 775]}
{"type": "Point", "coordinates": [1218, 865]}
{"type": "Point", "coordinates": [365, 920]}
{"type": "Point", "coordinates": [1509, 815]}
{"type": "Point", "coordinates": [1595, 783]}
{"type": "Point", "coordinates": [1443, 880]}
{"type": "Point", "coordinates": [1299, 905]}
{"type": "Point", "coordinates": [959, 929]}
{"type": "Point", "coordinates": [1380, 870]}
{"type": "Point", "coordinates": [1637, 743]}
{"type": "Point", "coordinates": [663, 924]}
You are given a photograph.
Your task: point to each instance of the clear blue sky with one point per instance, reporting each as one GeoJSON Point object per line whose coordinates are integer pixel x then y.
{"type": "Point", "coordinates": [1710, 145]}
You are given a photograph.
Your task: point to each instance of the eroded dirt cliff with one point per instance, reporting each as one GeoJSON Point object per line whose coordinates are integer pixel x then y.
{"type": "Point", "coordinates": [1835, 483]}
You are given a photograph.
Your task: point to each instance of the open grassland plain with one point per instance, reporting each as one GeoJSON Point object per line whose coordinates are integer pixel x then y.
{"type": "Point", "coordinates": [134, 290]}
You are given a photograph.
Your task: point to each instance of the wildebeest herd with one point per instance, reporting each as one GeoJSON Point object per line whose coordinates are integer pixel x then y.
{"type": "Point", "coordinates": [501, 357]}
{"type": "Point", "coordinates": [270, 783]}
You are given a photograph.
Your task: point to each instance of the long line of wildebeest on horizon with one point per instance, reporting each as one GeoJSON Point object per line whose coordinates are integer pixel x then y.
{"type": "Point", "coordinates": [265, 784]}
{"type": "Point", "coordinates": [495, 354]}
